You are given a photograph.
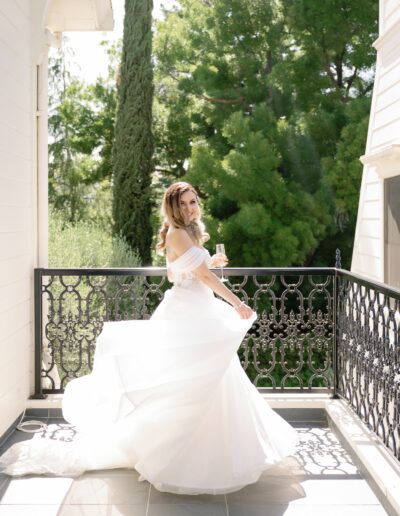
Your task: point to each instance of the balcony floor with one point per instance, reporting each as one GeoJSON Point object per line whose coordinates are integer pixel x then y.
{"type": "Point", "coordinates": [321, 479]}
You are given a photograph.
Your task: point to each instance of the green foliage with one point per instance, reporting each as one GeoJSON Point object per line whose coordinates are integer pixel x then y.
{"type": "Point", "coordinates": [344, 169]}
{"type": "Point", "coordinates": [256, 105]}
{"type": "Point", "coordinates": [262, 104]}
{"type": "Point", "coordinates": [133, 146]}
{"type": "Point", "coordinates": [274, 375]}
{"type": "Point", "coordinates": [78, 313]}
{"type": "Point", "coordinates": [253, 203]}
{"type": "Point", "coordinates": [81, 127]}
{"type": "Point", "coordinates": [333, 42]}
{"type": "Point", "coordinates": [84, 244]}
{"type": "Point", "coordinates": [343, 174]}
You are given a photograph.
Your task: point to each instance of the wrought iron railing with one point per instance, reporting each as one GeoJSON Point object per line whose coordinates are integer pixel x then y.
{"type": "Point", "coordinates": [318, 329]}
{"type": "Point", "coordinates": [368, 354]}
{"type": "Point", "coordinates": [290, 347]}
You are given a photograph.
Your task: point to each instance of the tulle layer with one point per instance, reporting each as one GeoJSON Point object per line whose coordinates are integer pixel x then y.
{"type": "Point", "coordinates": [169, 398]}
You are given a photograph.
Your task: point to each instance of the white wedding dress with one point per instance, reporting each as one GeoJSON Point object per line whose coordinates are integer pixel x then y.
{"type": "Point", "coordinates": [168, 397]}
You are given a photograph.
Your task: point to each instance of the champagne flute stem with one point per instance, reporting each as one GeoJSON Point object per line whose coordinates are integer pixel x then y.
{"type": "Point", "coordinates": [222, 275]}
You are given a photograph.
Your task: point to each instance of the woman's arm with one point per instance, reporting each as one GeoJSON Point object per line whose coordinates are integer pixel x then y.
{"type": "Point", "coordinates": [212, 281]}
{"type": "Point", "coordinates": [180, 242]}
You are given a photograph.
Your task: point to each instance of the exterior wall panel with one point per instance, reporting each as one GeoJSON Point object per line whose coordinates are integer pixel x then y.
{"type": "Point", "coordinates": [382, 147]}
{"type": "Point", "coordinates": [17, 179]}
{"type": "Point", "coordinates": [369, 246]}
{"type": "Point", "coordinates": [391, 12]}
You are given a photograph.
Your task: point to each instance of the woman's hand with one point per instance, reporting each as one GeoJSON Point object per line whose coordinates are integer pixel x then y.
{"type": "Point", "coordinates": [218, 260]}
{"type": "Point", "coordinates": [243, 310]}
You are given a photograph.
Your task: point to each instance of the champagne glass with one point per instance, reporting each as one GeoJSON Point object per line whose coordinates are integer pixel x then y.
{"type": "Point", "coordinates": [220, 249]}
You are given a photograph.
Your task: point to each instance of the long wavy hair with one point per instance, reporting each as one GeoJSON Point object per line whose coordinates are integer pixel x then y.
{"type": "Point", "coordinates": [173, 216]}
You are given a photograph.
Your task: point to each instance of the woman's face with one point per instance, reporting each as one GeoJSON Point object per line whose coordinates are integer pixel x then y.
{"type": "Point", "coordinates": [189, 206]}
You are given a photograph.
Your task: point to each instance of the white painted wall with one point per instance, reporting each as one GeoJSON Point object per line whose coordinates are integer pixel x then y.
{"type": "Point", "coordinates": [382, 150]}
{"type": "Point", "coordinates": [18, 228]}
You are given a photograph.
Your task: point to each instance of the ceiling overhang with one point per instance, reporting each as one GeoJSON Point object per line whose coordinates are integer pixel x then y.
{"type": "Point", "coordinates": [79, 15]}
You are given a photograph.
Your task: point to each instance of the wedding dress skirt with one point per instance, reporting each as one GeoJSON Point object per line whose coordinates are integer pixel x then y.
{"type": "Point", "coordinates": [168, 397]}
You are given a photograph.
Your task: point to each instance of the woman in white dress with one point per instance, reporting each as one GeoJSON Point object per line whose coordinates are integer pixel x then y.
{"type": "Point", "coordinates": [168, 396]}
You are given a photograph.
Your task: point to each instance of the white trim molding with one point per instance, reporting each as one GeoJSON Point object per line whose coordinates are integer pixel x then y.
{"type": "Point", "coordinates": [386, 160]}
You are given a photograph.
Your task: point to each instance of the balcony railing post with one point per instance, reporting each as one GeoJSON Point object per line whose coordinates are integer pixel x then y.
{"type": "Point", "coordinates": [338, 265]}
{"type": "Point", "coordinates": [335, 333]}
{"type": "Point", "coordinates": [38, 394]}
{"type": "Point", "coordinates": [338, 259]}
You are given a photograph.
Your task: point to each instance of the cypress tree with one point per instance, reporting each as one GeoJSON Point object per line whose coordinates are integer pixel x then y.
{"type": "Point", "coordinates": [133, 146]}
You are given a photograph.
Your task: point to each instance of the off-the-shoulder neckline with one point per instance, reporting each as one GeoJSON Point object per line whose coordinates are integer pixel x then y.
{"type": "Point", "coordinates": [183, 254]}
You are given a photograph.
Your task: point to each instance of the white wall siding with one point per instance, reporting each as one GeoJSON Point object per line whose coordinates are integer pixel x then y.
{"type": "Point", "coordinates": [369, 263]}
{"type": "Point", "coordinates": [386, 134]}
{"type": "Point", "coordinates": [12, 323]}
{"type": "Point", "coordinates": [389, 76]}
{"type": "Point", "coordinates": [391, 13]}
{"type": "Point", "coordinates": [369, 246]}
{"type": "Point", "coordinates": [17, 191]}
{"type": "Point", "coordinates": [369, 227]}
{"type": "Point", "coordinates": [371, 209]}
{"type": "Point", "coordinates": [372, 191]}
{"type": "Point", "coordinates": [389, 103]}
{"type": "Point", "coordinates": [383, 136]}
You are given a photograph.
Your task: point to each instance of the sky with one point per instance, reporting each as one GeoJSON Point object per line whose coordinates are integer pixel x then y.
{"type": "Point", "coordinates": [90, 58]}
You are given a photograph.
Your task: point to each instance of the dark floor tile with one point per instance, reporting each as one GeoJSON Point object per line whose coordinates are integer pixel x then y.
{"type": "Point", "coordinates": [42, 419]}
{"type": "Point", "coordinates": [57, 421]}
{"type": "Point", "coordinates": [305, 424]}
{"type": "Point", "coordinates": [4, 483]}
{"type": "Point", "coordinates": [260, 510]}
{"type": "Point", "coordinates": [94, 510]}
{"type": "Point", "coordinates": [194, 509]}
{"type": "Point", "coordinates": [159, 497]}
{"type": "Point", "coordinates": [19, 435]}
{"type": "Point", "coordinates": [37, 412]}
{"type": "Point", "coordinates": [16, 437]}
{"type": "Point", "coordinates": [10, 430]}
{"type": "Point", "coordinates": [313, 416]}
{"type": "Point", "coordinates": [270, 489]}
{"type": "Point", "coordinates": [55, 412]}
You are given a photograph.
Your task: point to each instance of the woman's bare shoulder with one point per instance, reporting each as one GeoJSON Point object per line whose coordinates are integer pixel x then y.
{"type": "Point", "coordinates": [178, 240]}
{"type": "Point", "coordinates": [177, 235]}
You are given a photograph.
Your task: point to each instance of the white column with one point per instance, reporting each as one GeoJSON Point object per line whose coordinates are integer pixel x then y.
{"type": "Point", "coordinates": [42, 161]}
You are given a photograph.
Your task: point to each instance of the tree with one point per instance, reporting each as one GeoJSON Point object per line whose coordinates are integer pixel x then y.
{"type": "Point", "coordinates": [133, 146]}
{"type": "Point", "coordinates": [332, 42]}
{"type": "Point", "coordinates": [343, 174]}
{"type": "Point", "coordinates": [263, 218]}
{"type": "Point", "coordinates": [256, 93]}
{"type": "Point", "coordinates": [81, 127]}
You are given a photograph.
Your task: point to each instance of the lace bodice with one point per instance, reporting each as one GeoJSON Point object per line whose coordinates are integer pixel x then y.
{"type": "Point", "coordinates": [182, 268]}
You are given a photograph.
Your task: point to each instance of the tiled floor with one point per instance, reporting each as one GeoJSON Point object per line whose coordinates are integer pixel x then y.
{"type": "Point", "coordinates": [320, 480]}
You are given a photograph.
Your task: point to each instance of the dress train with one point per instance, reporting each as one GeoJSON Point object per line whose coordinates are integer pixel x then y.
{"type": "Point", "coordinates": [168, 397]}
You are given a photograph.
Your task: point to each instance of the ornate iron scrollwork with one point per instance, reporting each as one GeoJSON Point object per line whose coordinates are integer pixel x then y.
{"type": "Point", "coordinates": [289, 347]}
{"type": "Point", "coordinates": [369, 355]}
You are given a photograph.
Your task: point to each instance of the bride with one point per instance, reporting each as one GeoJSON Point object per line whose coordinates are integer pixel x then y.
{"type": "Point", "coordinates": [168, 396]}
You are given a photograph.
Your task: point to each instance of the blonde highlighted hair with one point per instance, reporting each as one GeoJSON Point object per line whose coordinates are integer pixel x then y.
{"type": "Point", "coordinates": [172, 213]}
